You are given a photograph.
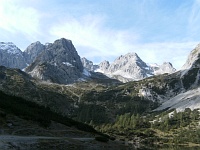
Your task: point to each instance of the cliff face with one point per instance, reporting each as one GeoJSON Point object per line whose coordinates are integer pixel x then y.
{"type": "Point", "coordinates": [11, 56]}
{"type": "Point", "coordinates": [58, 63]}
{"type": "Point", "coordinates": [32, 51]}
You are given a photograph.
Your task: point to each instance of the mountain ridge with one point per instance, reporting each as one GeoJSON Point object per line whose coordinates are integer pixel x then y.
{"type": "Point", "coordinates": [129, 67]}
{"type": "Point", "coordinates": [39, 61]}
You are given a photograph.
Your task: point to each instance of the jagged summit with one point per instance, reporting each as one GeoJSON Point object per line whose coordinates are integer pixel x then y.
{"type": "Point", "coordinates": [88, 64]}
{"type": "Point", "coordinates": [166, 67]}
{"type": "Point", "coordinates": [32, 51]}
{"type": "Point", "coordinates": [130, 67]}
{"type": "Point", "coordinates": [192, 59]}
{"type": "Point", "coordinates": [9, 47]}
{"type": "Point", "coordinates": [11, 56]}
{"type": "Point", "coordinates": [59, 62]}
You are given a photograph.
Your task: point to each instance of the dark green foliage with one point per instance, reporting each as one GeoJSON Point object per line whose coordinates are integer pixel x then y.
{"type": "Point", "coordinates": [190, 78]}
{"type": "Point", "coordinates": [32, 111]}
{"type": "Point", "coordinates": [181, 125]}
{"type": "Point", "coordinates": [103, 96]}
{"type": "Point", "coordinates": [91, 112]}
{"type": "Point", "coordinates": [101, 139]}
{"type": "Point", "coordinates": [173, 82]}
{"type": "Point", "coordinates": [189, 136]}
{"type": "Point", "coordinates": [178, 120]}
{"type": "Point", "coordinates": [137, 105]}
{"type": "Point", "coordinates": [159, 90]}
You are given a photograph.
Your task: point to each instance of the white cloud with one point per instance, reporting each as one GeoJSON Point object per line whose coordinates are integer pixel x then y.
{"type": "Point", "coordinates": [194, 19]}
{"type": "Point", "coordinates": [94, 40]}
{"type": "Point", "coordinates": [174, 52]}
{"type": "Point", "coordinates": [91, 32]}
{"type": "Point", "coordinates": [15, 18]}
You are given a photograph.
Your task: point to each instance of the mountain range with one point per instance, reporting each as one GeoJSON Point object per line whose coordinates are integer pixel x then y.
{"type": "Point", "coordinates": [59, 62]}
{"type": "Point", "coordinates": [129, 67]}
{"type": "Point", "coordinates": [55, 77]}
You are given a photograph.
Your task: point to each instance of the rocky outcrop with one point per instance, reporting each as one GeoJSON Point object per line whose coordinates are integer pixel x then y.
{"type": "Point", "coordinates": [88, 64]}
{"type": "Point", "coordinates": [129, 66]}
{"type": "Point", "coordinates": [58, 63]}
{"type": "Point", "coordinates": [32, 51]}
{"type": "Point", "coordinates": [193, 59]}
{"type": "Point", "coordinates": [166, 67]}
{"type": "Point", "coordinates": [103, 66]}
{"type": "Point", "coordinates": [190, 72]}
{"type": "Point", "coordinates": [11, 56]}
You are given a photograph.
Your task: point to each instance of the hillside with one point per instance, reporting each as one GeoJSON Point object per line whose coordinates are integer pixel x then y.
{"type": "Point", "coordinates": [26, 125]}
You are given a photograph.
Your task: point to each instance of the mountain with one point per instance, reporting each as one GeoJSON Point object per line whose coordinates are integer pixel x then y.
{"type": "Point", "coordinates": [11, 56]}
{"type": "Point", "coordinates": [190, 80]}
{"type": "Point", "coordinates": [109, 106]}
{"type": "Point", "coordinates": [32, 51]}
{"type": "Point", "coordinates": [59, 62]}
{"type": "Point", "coordinates": [192, 59]}
{"type": "Point", "coordinates": [88, 64]}
{"type": "Point", "coordinates": [129, 67]}
{"type": "Point", "coordinates": [166, 67]}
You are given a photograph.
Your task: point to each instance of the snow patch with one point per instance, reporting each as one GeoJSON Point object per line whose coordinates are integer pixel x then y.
{"type": "Point", "coordinates": [68, 64]}
{"type": "Point", "coordinates": [81, 79]}
{"type": "Point", "coordinates": [99, 70]}
{"type": "Point", "coordinates": [86, 73]}
{"type": "Point", "coordinates": [10, 48]}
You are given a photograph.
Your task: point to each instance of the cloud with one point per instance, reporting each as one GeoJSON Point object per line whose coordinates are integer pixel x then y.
{"type": "Point", "coordinates": [157, 31]}
{"type": "Point", "coordinates": [91, 32]}
{"type": "Point", "coordinates": [97, 42]}
{"type": "Point", "coordinates": [174, 52]}
{"type": "Point", "coordinates": [14, 18]}
{"type": "Point", "coordinates": [194, 19]}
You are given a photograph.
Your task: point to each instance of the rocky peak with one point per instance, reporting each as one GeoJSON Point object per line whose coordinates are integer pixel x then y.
{"type": "Point", "coordinates": [59, 63]}
{"type": "Point", "coordinates": [11, 56]}
{"type": "Point", "coordinates": [190, 73]}
{"type": "Point", "coordinates": [127, 60]}
{"type": "Point", "coordinates": [32, 51]}
{"type": "Point", "coordinates": [166, 67]}
{"type": "Point", "coordinates": [88, 64]}
{"type": "Point", "coordinates": [104, 66]}
{"type": "Point", "coordinates": [130, 67]}
{"type": "Point", "coordinates": [9, 47]}
{"type": "Point", "coordinates": [193, 58]}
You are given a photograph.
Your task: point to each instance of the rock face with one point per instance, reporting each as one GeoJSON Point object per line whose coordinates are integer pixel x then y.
{"type": "Point", "coordinates": [166, 67]}
{"type": "Point", "coordinates": [58, 62]}
{"type": "Point", "coordinates": [193, 59]}
{"type": "Point", "coordinates": [32, 51]}
{"type": "Point", "coordinates": [131, 67]}
{"type": "Point", "coordinates": [190, 72]}
{"type": "Point", "coordinates": [11, 56]}
{"type": "Point", "coordinates": [88, 64]}
{"type": "Point", "coordinates": [103, 66]}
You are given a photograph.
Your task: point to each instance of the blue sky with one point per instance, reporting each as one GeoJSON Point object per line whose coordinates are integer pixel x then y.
{"type": "Point", "coordinates": [157, 30]}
